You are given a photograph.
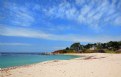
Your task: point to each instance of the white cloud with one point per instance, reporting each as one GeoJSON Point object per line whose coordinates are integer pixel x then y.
{"type": "Point", "coordinates": [118, 21]}
{"type": "Point", "coordinates": [22, 32]}
{"type": "Point", "coordinates": [79, 2]}
{"type": "Point", "coordinates": [14, 44]}
{"type": "Point", "coordinates": [94, 13]}
{"type": "Point", "coordinates": [60, 28]}
{"type": "Point", "coordinates": [20, 15]}
{"type": "Point", "coordinates": [22, 18]}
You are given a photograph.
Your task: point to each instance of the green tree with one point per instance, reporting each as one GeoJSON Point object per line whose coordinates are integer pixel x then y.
{"type": "Point", "coordinates": [77, 47]}
{"type": "Point", "coordinates": [88, 46]}
{"type": "Point", "coordinates": [99, 46]}
{"type": "Point", "coordinates": [67, 48]}
{"type": "Point", "coordinates": [113, 45]}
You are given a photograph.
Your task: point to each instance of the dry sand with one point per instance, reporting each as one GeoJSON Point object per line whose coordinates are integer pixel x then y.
{"type": "Point", "coordinates": [93, 65]}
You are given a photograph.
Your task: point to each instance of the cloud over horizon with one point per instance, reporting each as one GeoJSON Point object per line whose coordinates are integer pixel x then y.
{"type": "Point", "coordinates": [14, 44]}
{"type": "Point", "coordinates": [30, 33]}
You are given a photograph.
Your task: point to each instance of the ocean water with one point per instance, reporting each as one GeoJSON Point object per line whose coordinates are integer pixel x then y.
{"type": "Point", "coordinates": [9, 60]}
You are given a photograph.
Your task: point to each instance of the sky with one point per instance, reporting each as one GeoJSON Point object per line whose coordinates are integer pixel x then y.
{"type": "Point", "coordinates": [48, 25]}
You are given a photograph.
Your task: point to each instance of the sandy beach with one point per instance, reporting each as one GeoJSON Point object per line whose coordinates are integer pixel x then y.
{"type": "Point", "coordinates": [93, 65]}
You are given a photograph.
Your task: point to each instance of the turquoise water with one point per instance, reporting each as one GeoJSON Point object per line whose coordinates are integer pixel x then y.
{"type": "Point", "coordinates": [8, 60]}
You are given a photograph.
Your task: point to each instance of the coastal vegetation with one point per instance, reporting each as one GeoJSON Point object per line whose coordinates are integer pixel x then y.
{"type": "Point", "coordinates": [109, 47]}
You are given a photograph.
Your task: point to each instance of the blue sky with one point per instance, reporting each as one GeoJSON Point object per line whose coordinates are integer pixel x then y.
{"type": "Point", "coordinates": [48, 25]}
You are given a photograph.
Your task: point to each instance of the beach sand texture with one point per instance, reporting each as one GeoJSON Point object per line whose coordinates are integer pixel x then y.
{"type": "Point", "coordinates": [93, 65]}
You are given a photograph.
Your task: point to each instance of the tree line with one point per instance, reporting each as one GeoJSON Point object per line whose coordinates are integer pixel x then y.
{"type": "Point", "coordinates": [109, 47]}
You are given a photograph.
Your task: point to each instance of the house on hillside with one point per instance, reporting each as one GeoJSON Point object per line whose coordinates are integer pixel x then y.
{"type": "Point", "coordinates": [93, 48]}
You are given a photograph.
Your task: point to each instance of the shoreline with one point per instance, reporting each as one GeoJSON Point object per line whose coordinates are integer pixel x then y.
{"type": "Point", "coordinates": [27, 65]}
{"type": "Point", "coordinates": [82, 55]}
{"type": "Point", "coordinates": [92, 65]}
